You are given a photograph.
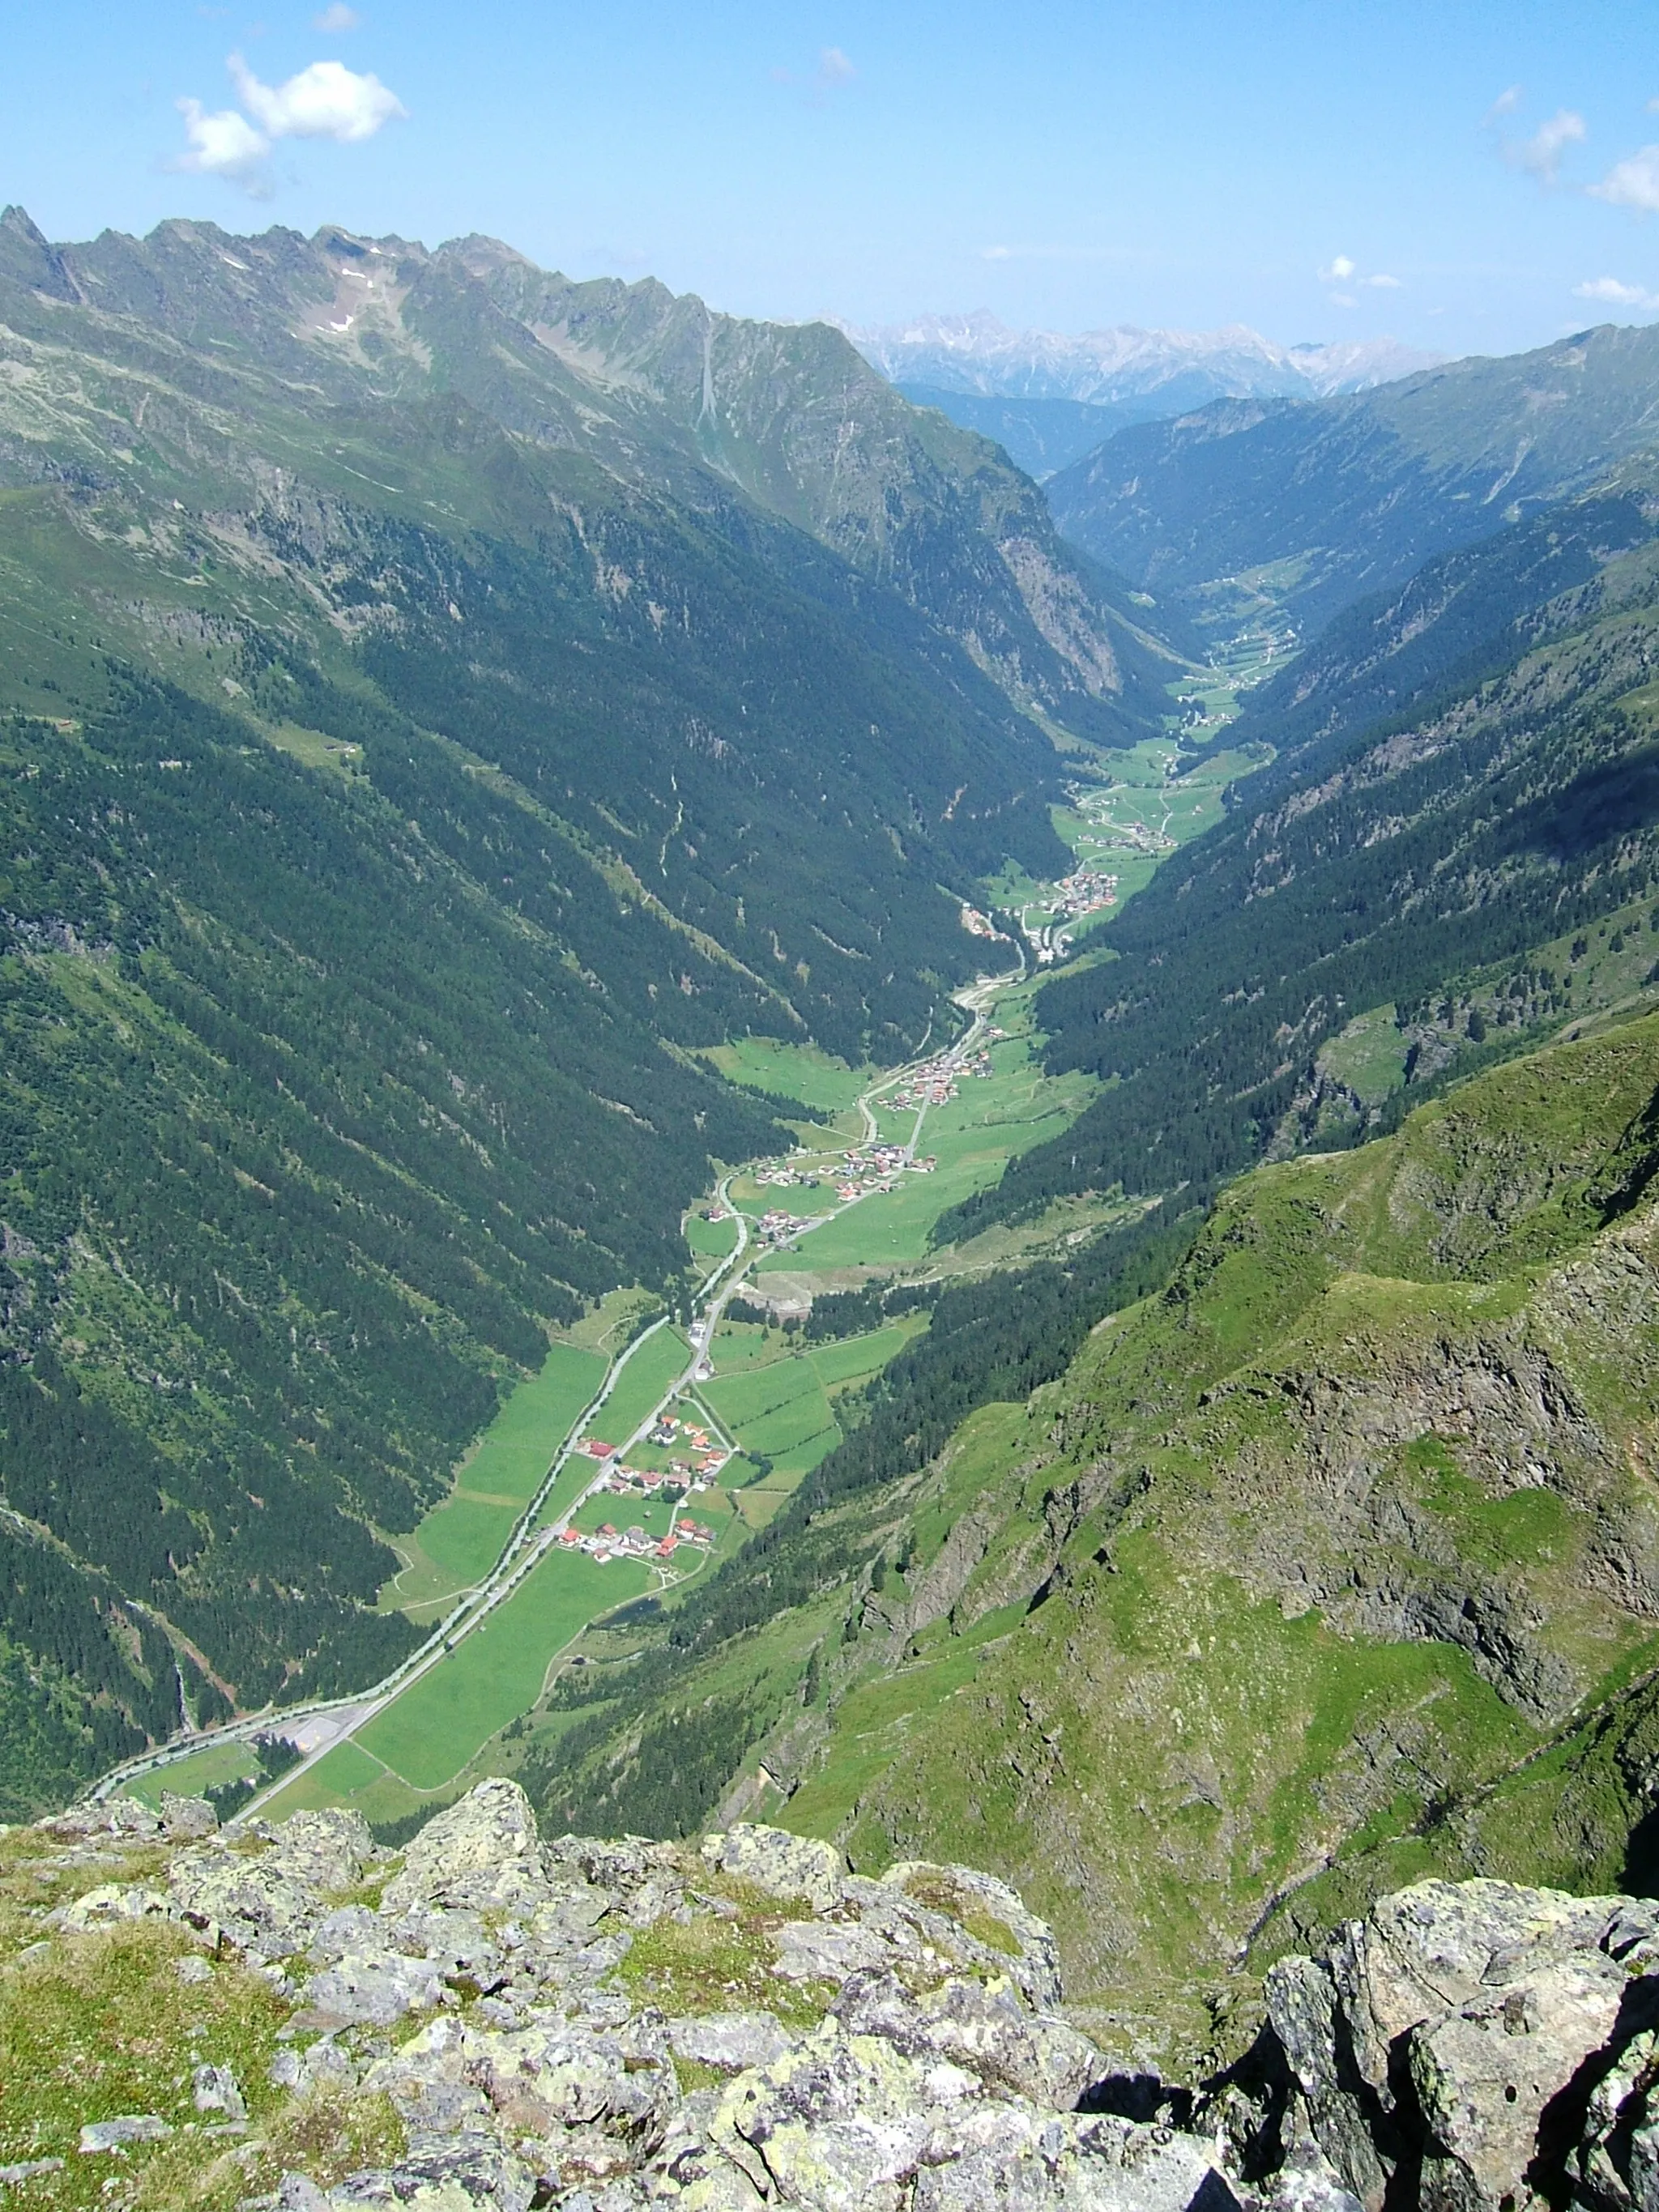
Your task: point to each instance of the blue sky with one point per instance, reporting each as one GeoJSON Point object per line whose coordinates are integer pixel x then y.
{"type": "Point", "coordinates": [1068, 166]}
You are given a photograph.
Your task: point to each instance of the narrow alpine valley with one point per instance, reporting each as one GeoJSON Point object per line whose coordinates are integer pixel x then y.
{"type": "Point", "coordinates": [828, 1229]}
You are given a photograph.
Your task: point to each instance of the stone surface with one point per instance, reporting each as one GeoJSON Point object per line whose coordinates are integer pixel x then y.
{"type": "Point", "coordinates": [1452, 2036]}
{"type": "Point", "coordinates": [1471, 2047]}
{"type": "Point", "coordinates": [731, 2040]}
{"type": "Point", "coordinates": [130, 2128]}
{"type": "Point", "coordinates": [782, 1865]}
{"type": "Point", "coordinates": [979, 2025]}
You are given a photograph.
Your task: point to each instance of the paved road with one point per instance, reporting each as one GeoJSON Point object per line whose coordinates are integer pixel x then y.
{"type": "Point", "coordinates": [320, 1725]}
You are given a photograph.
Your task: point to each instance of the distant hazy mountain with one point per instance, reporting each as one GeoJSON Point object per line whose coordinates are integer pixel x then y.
{"type": "Point", "coordinates": [1049, 397]}
{"type": "Point", "coordinates": [1351, 493]}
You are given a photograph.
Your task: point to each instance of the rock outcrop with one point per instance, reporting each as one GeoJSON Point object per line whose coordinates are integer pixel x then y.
{"type": "Point", "coordinates": [602, 2027]}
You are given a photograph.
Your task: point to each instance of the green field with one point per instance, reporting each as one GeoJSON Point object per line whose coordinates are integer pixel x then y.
{"type": "Point", "coordinates": [642, 1385]}
{"type": "Point", "coordinates": [791, 1071]}
{"type": "Point", "coordinates": [780, 1411]}
{"type": "Point", "coordinates": [203, 1770]}
{"type": "Point", "coordinates": [496, 1674]}
{"type": "Point", "coordinates": [972, 1136]}
{"type": "Point", "coordinates": [711, 1240]}
{"type": "Point", "coordinates": [460, 1541]}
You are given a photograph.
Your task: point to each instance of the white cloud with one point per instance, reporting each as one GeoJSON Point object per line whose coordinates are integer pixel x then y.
{"type": "Point", "coordinates": [1505, 104]}
{"type": "Point", "coordinates": [1339, 271]}
{"type": "Point", "coordinates": [336, 18]}
{"type": "Point", "coordinates": [1632, 183]}
{"type": "Point", "coordinates": [327, 101]}
{"type": "Point", "coordinates": [223, 145]}
{"type": "Point", "coordinates": [1382, 284]}
{"type": "Point", "coordinates": [834, 68]}
{"type": "Point", "coordinates": [1540, 154]}
{"type": "Point", "coordinates": [1614, 294]}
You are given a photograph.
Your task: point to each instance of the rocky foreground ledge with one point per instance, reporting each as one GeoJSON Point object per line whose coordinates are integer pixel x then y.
{"type": "Point", "coordinates": [604, 2026]}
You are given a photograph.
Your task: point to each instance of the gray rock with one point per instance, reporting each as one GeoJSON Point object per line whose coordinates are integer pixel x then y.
{"type": "Point", "coordinates": [29, 2169]}
{"type": "Point", "coordinates": [732, 2039]}
{"type": "Point", "coordinates": [1484, 2074]}
{"type": "Point", "coordinates": [1496, 1998]}
{"type": "Point", "coordinates": [1028, 2161]}
{"type": "Point", "coordinates": [372, 1989]}
{"type": "Point", "coordinates": [270, 1901]}
{"type": "Point", "coordinates": [982, 2026]}
{"type": "Point", "coordinates": [823, 1950]}
{"type": "Point", "coordinates": [456, 2173]}
{"type": "Point", "coordinates": [192, 1967]}
{"type": "Point", "coordinates": [321, 2065]}
{"type": "Point", "coordinates": [109, 1905]}
{"type": "Point", "coordinates": [481, 1853]}
{"type": "Point", "coordinates": [785, 1865]}
{"type": "Point", "coordinates": [185, 1819]}
{"type": "Point", "coordinates": [564, 2075]}
{"type": "Point", "coordinates": [115, 2135]}
{"type": "Point", "coordinates": [839, 2122]}
{"type": "Point", "coordinates": [1034, 1958]}
{"type": "Point", "coordinates": [215, 2089]}
{"type": "Point", "coordinates": [297, 2192]}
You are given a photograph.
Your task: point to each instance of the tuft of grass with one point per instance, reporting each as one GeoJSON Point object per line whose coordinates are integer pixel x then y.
{"type": "Point", "coordinates": [101, 2025]}
{"type": "Point", "coordinates": [940, 1893]}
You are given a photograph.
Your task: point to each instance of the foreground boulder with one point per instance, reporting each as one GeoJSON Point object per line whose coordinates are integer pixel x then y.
{"type": "Point", "coordinates": [1480, 2048]}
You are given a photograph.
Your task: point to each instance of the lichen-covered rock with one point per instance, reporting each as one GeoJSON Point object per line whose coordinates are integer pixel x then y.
{"type": "Point", "coordinates": [270, 1900]}
{"type": "Point", "coordinates": [977, 2024]}
{"type": "Point", "coordinates": [734, 2040]}
{"type": "Point", "coordinates": [186, 1819]}
{"type": "Point", "coordinates": [482, 1853]}
{"type": "Point", "coordinates": [1446, 2036]}
{"type": "Point", "coordinates": [995, 1915]}
{"type": "Point", "coordinates": [785, 1866]}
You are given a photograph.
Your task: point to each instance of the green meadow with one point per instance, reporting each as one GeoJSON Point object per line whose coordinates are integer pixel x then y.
{"type": "Point", "coordinates": [791, 1071]}
{"type": "Point", "coordinates": [460, 1541]}
{"type": "Point", "coordinates": [429, 1734]}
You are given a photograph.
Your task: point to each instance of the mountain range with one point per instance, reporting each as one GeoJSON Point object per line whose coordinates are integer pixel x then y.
{"type": "Point", "coordinates": [442, 703]}
{"type": "Point", "coordinates": [1049, 397]}
{"type": "Point", "coordinates": [1313, 504]}
{"type": "Point", "coordinates": [438, 699]}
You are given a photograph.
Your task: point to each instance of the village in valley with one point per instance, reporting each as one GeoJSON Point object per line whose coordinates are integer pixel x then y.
{"type": "Point", "coordinates": [695, 1458]}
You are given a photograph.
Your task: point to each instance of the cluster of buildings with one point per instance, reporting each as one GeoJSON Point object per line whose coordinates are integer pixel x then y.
{"type": "Point", "coordinates": [777, 1227]}
{"type": "Point", "coordinates": [977, 924]}
{"type": "Point", "coordinates": [935, 1081]}
{"type": "Point", "coordinates": [875, 1167]}
{"type": "Point", "coordinates": [1084, 891]}
{"type": "Point", "coordinates": [608, 1543]}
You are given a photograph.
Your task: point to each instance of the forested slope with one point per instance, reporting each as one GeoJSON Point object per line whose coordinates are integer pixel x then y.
{"type": "Point", "coordinates": [393, 791]}
{"type": "Point", "coordinates": [1441, 862]}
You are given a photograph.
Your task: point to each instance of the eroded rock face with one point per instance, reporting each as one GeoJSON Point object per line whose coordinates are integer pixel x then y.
{"type": "Point", "coordinates": [1477, 2047]}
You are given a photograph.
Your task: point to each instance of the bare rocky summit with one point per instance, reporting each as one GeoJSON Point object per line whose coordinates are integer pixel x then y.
{"type": "Point", "coordinates": [604, 2026]}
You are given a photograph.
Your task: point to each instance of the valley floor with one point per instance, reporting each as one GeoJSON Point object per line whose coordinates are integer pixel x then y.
{"type": "Point", "coordinates": [510, 1569]}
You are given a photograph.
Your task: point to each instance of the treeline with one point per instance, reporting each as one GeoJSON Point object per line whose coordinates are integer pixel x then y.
{"type": "Point", "coordinates": [851, 1313]}
{"type": "Point", "coordinates": [641, 1743]}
